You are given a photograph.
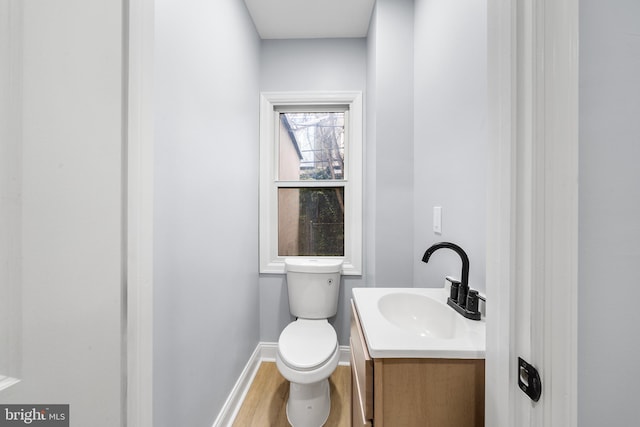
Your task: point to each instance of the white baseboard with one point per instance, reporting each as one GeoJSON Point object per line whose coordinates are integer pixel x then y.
{"type": "Point", "coordinates": [236, 397]}
{"type": "Point", "coordinates": [265, 351]}
{"type": "Point", "coordinates": [345, 355]}
{"type": "Point", "coordinates": [268, 351]}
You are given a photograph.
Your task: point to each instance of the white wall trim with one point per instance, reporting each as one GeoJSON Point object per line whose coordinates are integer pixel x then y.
{"type": "Point", "coordinates": [345, 356]}
{"type": "Point", "coordinates": [232, 405]}
{"type": "Point", "coordinates": [270, 262]}
{"type": "Point", "coordinates": [500, 269]}
{"type": "Point", "coordinates": [268, 351]}
{"type": "Point", "coordinates": [264, 352]}
{"type": "Point", "coordinates": [532, 227]}
{"type": "Point", "coordinates": [555, 302]}
{"type": "Point", "coordinates": [139, 215]}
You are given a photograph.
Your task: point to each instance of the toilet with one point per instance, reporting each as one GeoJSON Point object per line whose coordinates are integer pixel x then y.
{"type": "Point", "coordinates": [308, 350]}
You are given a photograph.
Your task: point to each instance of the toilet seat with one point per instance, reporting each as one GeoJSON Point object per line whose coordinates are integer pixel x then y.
{"type": "Point", "coordinates": [306, 344]}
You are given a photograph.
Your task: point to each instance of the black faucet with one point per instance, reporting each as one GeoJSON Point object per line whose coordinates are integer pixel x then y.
{"type": "Point", "coordinates": [458, 300]}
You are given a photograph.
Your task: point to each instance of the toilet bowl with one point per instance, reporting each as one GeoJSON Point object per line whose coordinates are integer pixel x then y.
{"type": "Point", "coordinates": [308, 350]}
{"type": "Point", "coordinates": [308, 354]}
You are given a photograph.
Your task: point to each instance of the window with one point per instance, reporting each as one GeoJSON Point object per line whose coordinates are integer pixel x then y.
{"type": "Point", "coordinates": [311, 178]}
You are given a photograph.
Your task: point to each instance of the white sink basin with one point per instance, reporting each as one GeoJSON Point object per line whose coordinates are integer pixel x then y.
{"type": "Point", "coordinates": [420, 314]}
{"type": "Point", "coordinates": [416, 323]}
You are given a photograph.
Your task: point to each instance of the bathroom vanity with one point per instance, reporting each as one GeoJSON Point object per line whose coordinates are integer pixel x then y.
{"type": "Point", "coordinates": [406, 372]}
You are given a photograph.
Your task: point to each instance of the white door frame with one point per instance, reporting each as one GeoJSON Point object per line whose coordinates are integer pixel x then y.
{"type": "Point", "coordinates": [139, 38]}
{"type": "Point", "coordinates": [533, 210]}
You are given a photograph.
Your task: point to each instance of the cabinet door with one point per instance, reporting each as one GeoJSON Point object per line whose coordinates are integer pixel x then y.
{"type": "Point", "coordinates": [357, 415]}
{"type": "Point", "coordinates": [362, 370]}
{"type": "Point", "coordinates": [429, 392]}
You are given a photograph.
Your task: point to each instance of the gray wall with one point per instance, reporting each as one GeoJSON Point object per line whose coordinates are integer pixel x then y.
{"type": "Point", "coordinates": [450, 145]}
{"type": "Point", "coordinates": [382, 67]}
{"type": "Point", "coordinates": [312, 65]}
{"type": "Point", "coordinates": [206, 202]}
{"type": "Point", "coordinates": [425, 142]}
{"type": "Point", "coordinates": [609, 209]}
{"type": "Point", "coordinates": [307, 65]}
{"type": "Point", "coordinates": [390, 134]}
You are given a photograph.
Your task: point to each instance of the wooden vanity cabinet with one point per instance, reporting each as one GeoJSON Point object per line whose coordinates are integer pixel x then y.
{"type": "Point", "coordinates": [394, 392]}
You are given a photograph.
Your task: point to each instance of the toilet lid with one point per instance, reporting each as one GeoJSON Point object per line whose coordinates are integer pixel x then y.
{"type": "Point", "coordinates": [306, 344]}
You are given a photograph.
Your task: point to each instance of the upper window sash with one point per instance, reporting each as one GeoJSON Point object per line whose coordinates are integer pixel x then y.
{"type": "Point", "coordinates": [305, 135]}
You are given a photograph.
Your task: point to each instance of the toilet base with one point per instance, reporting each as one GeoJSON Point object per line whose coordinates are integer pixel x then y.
{"type": "Point", "coordinates": [308, 404]}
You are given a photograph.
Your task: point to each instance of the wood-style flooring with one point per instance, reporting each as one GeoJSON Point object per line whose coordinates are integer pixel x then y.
{"type": "Point", "coordinates": [265, 403]}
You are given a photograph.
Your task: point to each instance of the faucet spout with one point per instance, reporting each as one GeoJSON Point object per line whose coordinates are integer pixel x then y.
{"type": "Point", "coordinates": [463, 256]}
{"type": "Point", "coordinates": [461, 300]}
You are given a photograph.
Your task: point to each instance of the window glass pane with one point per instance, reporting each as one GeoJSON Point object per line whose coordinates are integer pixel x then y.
{"type": "Point", "coordinates": [311, 221]}
{"type": "Point", "coordinates": [311, 146]}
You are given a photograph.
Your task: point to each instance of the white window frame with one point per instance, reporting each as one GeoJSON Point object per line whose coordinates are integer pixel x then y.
{"type": "Point", "coordinates": [270, 262]}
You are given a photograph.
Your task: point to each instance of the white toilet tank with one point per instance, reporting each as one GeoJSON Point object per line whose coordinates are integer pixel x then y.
{"type": "Point", "coordinates": [313, 286]}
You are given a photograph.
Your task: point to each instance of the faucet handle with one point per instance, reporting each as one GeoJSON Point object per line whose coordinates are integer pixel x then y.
{"type": "Point", "coordinates": [472, 301]}
{"type": "Point", "coordinates": [463, 291]}
{"type": "Point", "coordinates": [455, 285]}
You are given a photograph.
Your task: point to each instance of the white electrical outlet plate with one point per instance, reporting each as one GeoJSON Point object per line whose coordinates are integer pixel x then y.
{"type": "Point", "coordinates": [437, 219]}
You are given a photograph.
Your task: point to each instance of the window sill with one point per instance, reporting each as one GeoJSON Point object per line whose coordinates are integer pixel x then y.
{"type": "Point", "coordinates": [277, 267]}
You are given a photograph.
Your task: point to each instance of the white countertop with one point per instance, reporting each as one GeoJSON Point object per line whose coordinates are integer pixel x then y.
{"type": "Point", "coordinates": [385, 339]}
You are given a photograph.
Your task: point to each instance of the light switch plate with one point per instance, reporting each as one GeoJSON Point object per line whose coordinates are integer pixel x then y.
{"type": "Point", "coordinates": [437, 219]}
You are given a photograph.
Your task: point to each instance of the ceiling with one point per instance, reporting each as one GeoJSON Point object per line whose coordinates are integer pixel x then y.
{"type": "Point", "coordinates": [301, 19]}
